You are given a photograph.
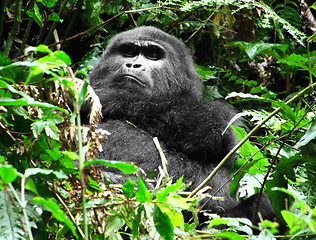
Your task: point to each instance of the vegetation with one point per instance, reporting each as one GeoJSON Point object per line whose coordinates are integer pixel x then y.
{"type": "Point", "coordinates": [258, 55]}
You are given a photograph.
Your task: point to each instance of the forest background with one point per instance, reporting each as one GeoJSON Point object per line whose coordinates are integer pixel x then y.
{"type": "Point", "coordinates": [259, 56]}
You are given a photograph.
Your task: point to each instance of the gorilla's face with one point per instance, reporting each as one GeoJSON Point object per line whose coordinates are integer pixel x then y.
{"type": "Point", "coordinates": [136, 63]}
{"type": "Point", "coordinates": [144, 62]}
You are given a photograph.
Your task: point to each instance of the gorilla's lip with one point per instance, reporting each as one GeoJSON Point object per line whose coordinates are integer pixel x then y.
{"type": "Point", "coordinates": [131, 78]}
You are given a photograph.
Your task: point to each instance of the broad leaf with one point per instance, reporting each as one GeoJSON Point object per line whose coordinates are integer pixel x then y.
{"type": "Point", "coordinates": [126, 168]}
{"type": "Point", "coordinates": [128, 188]}
{"type": "Point", "coordinates": [163, 223]}
{"type": "Point", "coordinates": [60, 215]}
{"type": "Point", "coordinates": [142, 195]}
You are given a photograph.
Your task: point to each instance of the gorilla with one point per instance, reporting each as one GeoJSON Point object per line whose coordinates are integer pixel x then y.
{"type": "Point", "coordinates": [148, 87]}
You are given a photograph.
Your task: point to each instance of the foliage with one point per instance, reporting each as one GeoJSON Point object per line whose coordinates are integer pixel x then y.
{"type": "Point", "coordinates": [253, 53]}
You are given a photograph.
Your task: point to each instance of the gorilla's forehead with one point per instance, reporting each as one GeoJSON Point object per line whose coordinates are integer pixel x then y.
{"type": "Point", "coordinates": [143, 43]}
{"type": "Point", "coordinates": [148, 35]}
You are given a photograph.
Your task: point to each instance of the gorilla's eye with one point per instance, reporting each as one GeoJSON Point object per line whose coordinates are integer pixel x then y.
{"type": "Point", "coordinates": [153, 53]}
{"type": "Point", "coordinates": [129, 50]}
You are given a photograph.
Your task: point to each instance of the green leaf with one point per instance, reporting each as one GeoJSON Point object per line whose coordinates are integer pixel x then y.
{"type": "Point", "coordinates": [29, 102]}
{"type": "Point", "coordinates": [55, 154]}
{"type": "Point", "coordinates": [31, 186]}
{"type": "Point", "coordinates": [290, 219]}
{"type": "Point", "coordinates": [136, 221]}
{"type": "Point", "coordinates": [175, 215]}
{"type": "Point", "coordinates": [286, 109]}
{"type": "Point", "coordinates": [205, 72]}
{"type": "Point", "coordinates": [142, 195]}
{"type": "Point", "coordinates": [234, 224]}
{"type": "Point", "coordinates": [126, 168]}
{"type": "Point", "coordinates": [163, 223]}
{"type": "Point", "coordinates": [82, 94]}
{"type": "Point", "coordinates": [8, 173]}
{"type": "Point", "coordinates": [54, 17]}
{"type": "Point", "coordinates": [163, 193]}
{"type": "Point", "coordinates": [61, 55]}
{"type": "Point", "coordinates": [128, 188]}
{"type": "Point", "coordinates": [256, 166]}
{"type": "Point", "coordinates": [52, 131]}
{"type": "Point", "coordinates": [49, 3]}
{"type": "Point", "coordinates": [36, 15]}
{"type": "Point", "coordinates": [40, 48]}
{"type": "Point", "coordinates": [248, 150]}
{"type": "Point", "coordinates": [309, 135]}
{"type": "Point", "coordinates": [33, 171]}
{"type": "Point", "coordinates": [114, 224]}
{"type": "Point", "coordinates": [179, 202]}
{"type": "Point", "coordinates": [229, 235]}
{"type": "Point", "coordinates": [9, 74]}
{"type": "Point", "coordinates": [253, 49]}
{"type": "Point", "coordinates": [37, 128]}
{"type": "Point", "coordinates": [60, 215]}
{"type": "Point", "coordinates": [71, 155]}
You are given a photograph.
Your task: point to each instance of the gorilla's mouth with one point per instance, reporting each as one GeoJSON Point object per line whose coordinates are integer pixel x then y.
{"type": "Point", "coordinates": [125, 79]}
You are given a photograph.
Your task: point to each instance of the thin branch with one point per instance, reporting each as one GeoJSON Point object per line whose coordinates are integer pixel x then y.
{"type": "Point", "coordinates": [162, 155]}
{"type": "Point", "coordinates": [68, 211]}
{"type": "Point", "coordinates": [107, 22]}
{"type": "Point", "coordinates": [225, 159]}
{"type": "Point", "coordinates": [130, 14]}
{"type": "Point", "coordinates": [274, 161]}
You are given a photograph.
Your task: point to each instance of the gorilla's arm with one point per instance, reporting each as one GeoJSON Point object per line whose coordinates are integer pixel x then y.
{"type": "Point", "coordinates": [186, 124]}
{"type": "Point", "coordinates": [131, 144]}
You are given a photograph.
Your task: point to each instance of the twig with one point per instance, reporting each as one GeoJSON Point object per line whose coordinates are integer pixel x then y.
{"type": "Point", "coordinates": [199, 28]}
{"type": "Point", "coordinates": [107, 22]}
{"type": "Point", "coordinates": [89, 30]}
{"type": "Point", "coordinates": [274, 162]}
{"type": "Point", "coordinates": [130, 14]}
{"type": "Point", "coordinates": [162, 156]}
{"type": "Point", "coordinates": [225, 159]}
{"type": "Point", "coordinates": [68, 211]}
{"type": "Point", "coordinates": [26, 34]}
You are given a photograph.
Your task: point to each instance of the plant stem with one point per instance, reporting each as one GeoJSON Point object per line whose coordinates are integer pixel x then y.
{"type": "Point", "coordinates": [81, 156]}
{"type": "Point", "coordinates": [23, 204]}
{"type": "Point", "coordinates": [26, 34]}
{"type": "Point", "coordinates": [15, 29]}
{"type": "Point", "coordinates": [2, 12]}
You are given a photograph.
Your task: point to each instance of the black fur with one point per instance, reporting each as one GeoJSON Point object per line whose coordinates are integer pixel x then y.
{"type": "Point", "coordinates": [168, 106]}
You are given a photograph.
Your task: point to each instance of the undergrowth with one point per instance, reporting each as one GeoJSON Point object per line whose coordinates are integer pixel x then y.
{"type": "Point", "coordinates": [51, 186]}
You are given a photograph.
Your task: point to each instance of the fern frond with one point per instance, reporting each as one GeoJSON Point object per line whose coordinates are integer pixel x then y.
{"type": "Point", "coordinates": [10, 224]}
{"type": "Point", "coordinates": [269, 13]}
